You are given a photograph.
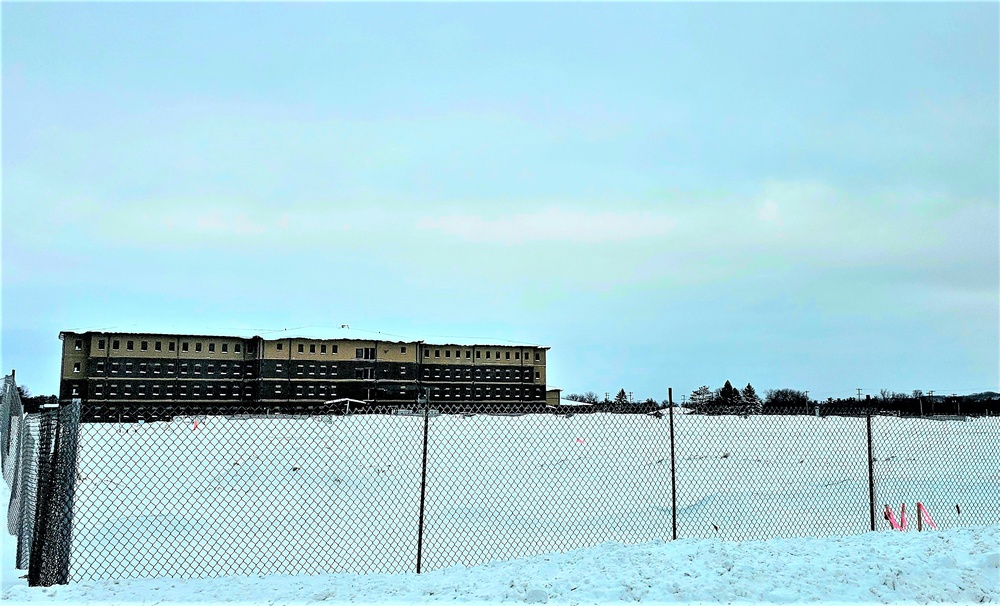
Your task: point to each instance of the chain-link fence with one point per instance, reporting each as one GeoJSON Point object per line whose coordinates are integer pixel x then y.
{"type": "Point", "coordinates": [357, 488]}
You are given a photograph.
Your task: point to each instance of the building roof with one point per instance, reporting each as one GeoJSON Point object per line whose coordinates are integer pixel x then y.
{"type": "Point", "coordinates": [312, 332]}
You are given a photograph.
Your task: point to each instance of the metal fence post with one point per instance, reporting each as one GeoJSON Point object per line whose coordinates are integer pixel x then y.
{"type": "Point", "coordinates": [673, 463]}
{"type": "Point", "coordinates": [871, 474]}
{"type": "Point", "coordinates": [423, 485]}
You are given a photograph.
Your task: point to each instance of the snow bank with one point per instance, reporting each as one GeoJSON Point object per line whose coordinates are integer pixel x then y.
{"type": "Point", "coordinates": [955, 566]}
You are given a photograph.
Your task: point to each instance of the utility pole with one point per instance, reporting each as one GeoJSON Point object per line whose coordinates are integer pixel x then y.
{"type": "Point", "coordinates": [807, 401]}
{"type": "Point", "coordinates": [859, 395]}
{"type": "Point", "coordinates": [930, 393]}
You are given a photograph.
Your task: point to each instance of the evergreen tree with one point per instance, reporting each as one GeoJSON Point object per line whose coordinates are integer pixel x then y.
{"type": "Point", "coordinates": [751, 401]}
{"type": "Point", "coordinates": [729, 396]}
{"type": "Point", "coordinates": [621, 399]}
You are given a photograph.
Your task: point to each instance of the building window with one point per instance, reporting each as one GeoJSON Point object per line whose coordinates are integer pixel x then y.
{"type": "Point", "coordinates": [158, 346]}
{"type": "Point", "coordinates": [144, 345]}
{"type": "Point", "coordinates": [225, 348]}
{"type": "Point", "coordinates": [211, 369]}
{"type": "Point", "coordinates": [142, 389]}
{"type": "Point", "coordinates": [76, 367]}
{"type": "Point", "coordinates": [128, 390]}
{"type": "Point", "coordinates": [197, 346]}
{"type": "Point", "coordinates": [115, 344]}
{"type": "Point", "coordinates": [278, 346]}
{"type": "Point", "coordinates": [211, 347]}
{"type": "Point", "coordinates": [237, 348]}
{"type": "Point", "coordinates": [142, 368]}
{"type": "Point", "coordinates": [298, 369]}
{"type": "Point", "coordinates": [171, 346]}
{"type": "Point", "coordinates": [437, 353]}
{"type": "Point", "coordinates": [210, 390]}
{"type": "Point", "coordinates": [196, 391]}
{"type": "Point", "coordinates": [99, 389]}
{"type": "Point", "coordinates": [223, 368]}
{"type": "Point", "coordinates": [277, 389]}
{"type": "Point", "coordinates": [312, 369]}
{"type": "Point", "coordinates": [278, 367]}
{"type": "Point", "coordinates": [312, 348]}
{"type": "Point", "coordinates": [506, 355]}
{"type": "Point", "coordinates": [183, 391]}
{"type": "Point", "coordinates": [184, 368]}
{"type": "Point", "coordinates": [333, 349]}
{"type": "Point", "coordinates": [538, 375]}
{"type": "Point", "coordinates": [128, 367]}
{"type": "Point", "coordinates": [498, 355]}
{"type": "Point", "coordinates": [156, 368]}
{"type": "Point", "coordinates": [487, 355]}
{"type": "Point", "coordinates": [78, 344]}
{"type": "Point", "coordinates": [184, 346]}
{"type": "Point", "coordinates": [197, 369]}
{"type": "Point", "coordinates": [302, 348]}
{"type": "Point", "coordinates": [76, 390]}
{"type": "Point", "coordinates": [170, 368]}
{"type": "Point", "coordinates": [322, 349]}
{"type": "Point", "coordinates": [364, 373]}
{"type": "Point", "coordinates": [427, 353]}
{"type": "Point", "coordinates": [100, 344]}
{"type": "Point", "coordinates": [447, 353]}
{"type": "Point", "coordinates": [538, 356]}
{"type": "Point", "coordinates": [298, 390]}
{"type": "Point", "coordinates": [468, 354]}
{"type": "Point", "coordinates": [129, 345]}
{"type": "Point", "coordinates": [100, 366]}
{"type": "Point", "coordinates": [517, 355]}
{"type": "Point", "coordinates": [477, 354]}
{"type": "Point", "coordinates": [114, 368]}
{"type": "Point", "coordinates": [236, 369]}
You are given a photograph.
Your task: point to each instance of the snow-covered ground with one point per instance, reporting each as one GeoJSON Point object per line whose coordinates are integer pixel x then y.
{"type": "Point", "coordinates": [494, 484]}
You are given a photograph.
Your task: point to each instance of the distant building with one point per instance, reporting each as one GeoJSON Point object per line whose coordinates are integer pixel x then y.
{"type": "Point", "coordinates": [139, 375]}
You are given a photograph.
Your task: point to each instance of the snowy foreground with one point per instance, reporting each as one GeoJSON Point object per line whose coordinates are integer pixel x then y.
{"type": "Point", "coordinates": [955, 566]}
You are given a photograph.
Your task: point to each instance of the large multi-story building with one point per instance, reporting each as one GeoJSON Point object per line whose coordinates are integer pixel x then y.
{"type": "Point", "coordinates": [125, 376]}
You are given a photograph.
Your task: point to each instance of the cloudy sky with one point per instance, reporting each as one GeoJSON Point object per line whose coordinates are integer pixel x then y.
{"type": "Point", "coordinates": [665, 194]}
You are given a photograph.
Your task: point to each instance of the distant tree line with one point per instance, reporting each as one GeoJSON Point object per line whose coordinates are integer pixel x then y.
{"type": "Point", "coordinates": [728, 400]}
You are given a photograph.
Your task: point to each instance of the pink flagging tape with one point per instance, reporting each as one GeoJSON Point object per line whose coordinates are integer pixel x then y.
{"type": "Point", "coordinates": [889, 515]}
{"type": "Point", "coordinates": [902, 517]}
{"type": "Point", "coordinates": [925, 515]}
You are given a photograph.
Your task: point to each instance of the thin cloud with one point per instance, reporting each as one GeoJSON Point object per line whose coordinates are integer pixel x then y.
{"type": "Point", "coordinates": [552, 225]}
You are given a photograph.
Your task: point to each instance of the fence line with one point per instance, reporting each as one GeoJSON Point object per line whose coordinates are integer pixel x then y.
{"type": "Point", "coordinates": [237, 493]}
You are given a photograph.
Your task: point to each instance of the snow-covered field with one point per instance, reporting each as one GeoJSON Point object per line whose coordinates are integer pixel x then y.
{"type": "Point", "coordinates": [293, 496]}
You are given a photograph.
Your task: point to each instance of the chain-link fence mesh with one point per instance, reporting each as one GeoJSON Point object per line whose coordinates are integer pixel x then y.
{"type": "Point", "coordinates": [233, 494]}
{"type": "Point", "coordinates": [385, 489]}
{"type": "Point", "coordinates": [771, 475]}
{"type": "Point", "coordinates": [502, 487]}
{"type": "Point", "coordinates": [949, 464]}
{"type": "Point", "coordinates": [19, 436]}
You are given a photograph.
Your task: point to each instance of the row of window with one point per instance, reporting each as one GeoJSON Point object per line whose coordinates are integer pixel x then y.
{"type": "Point", "coordinates": [212, 390]}
{"type": "Point", "coordinates": [479, 352]}
{"type": "Point", "coordinates": [498, 374]}
{"type": "Point", "coordinates": [157, 368]}
{"type": "Point", "coordinates": [361, 353]}
{"type": "Point", "coordinates": [322, 370]}
{"type": "Point", "coordinates": [158, 345]}
{"type": "Point", "coordinates": [487, 392]}
{"type": "Point", "coordinates": [224, 390]}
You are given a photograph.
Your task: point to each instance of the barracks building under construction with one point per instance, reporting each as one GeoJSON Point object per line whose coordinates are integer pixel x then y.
{"type": "Point", "coordinates": [130, 376]}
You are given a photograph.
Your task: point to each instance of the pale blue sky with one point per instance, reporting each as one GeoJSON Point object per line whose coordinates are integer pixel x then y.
{"type": "Point", "coordinates": [665, 194]}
